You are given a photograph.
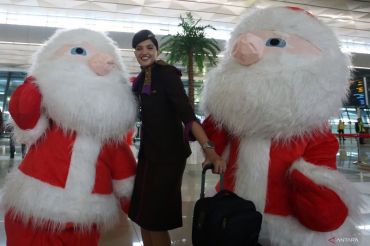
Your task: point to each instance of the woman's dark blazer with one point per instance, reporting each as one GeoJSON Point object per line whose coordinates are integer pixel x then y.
{"type": "Point", "coordinates": [164, 113]}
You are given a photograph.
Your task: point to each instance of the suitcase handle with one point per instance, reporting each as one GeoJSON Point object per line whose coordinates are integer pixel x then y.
{"type": "Point", "coordinates": [205, 168]}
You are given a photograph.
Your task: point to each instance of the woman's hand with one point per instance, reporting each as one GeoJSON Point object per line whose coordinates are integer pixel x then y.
{"type": "Point", "coordinates": [218, 163]}
{"type": "Point", "coordinates": [208, 148]}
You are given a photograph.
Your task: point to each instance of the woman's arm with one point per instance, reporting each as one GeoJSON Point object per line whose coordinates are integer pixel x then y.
{"type": "Point", "coordinates": [209, 151]}
{"type": "Point", "coordinates": [176, 94]}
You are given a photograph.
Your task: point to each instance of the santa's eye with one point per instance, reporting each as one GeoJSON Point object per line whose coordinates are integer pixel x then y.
{"type": "Point", "coordinates": [276, 42]}
{"type": "Point", "coordinates": [78, 51]}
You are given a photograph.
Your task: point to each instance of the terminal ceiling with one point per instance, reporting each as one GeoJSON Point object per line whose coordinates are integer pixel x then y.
{"type": "Point", "coordinates": [350, 20]}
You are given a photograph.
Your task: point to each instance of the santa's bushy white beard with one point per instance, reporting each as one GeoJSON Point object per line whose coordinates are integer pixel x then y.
{"type": "Point", "coordinates": [279, 97]}
{"type": "Point", "coordinates": [76, 99]}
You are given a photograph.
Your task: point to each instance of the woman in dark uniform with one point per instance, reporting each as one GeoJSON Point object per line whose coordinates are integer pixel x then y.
{"type": "Point", "coordinates": [164, 148]}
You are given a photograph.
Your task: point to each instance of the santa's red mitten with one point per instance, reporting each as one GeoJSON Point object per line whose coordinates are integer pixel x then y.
{"type": "Point", "coordinates": [316, 207]}
{"type": "Point", "coordinates": [25, 105]}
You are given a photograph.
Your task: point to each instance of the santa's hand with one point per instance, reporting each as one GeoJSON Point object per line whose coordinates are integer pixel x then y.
{"type": "Point", "coordinates": [316, 207]}
{"type": "Point", "coordinates": [25, 105]}
{"type": "Point", "coordinates": [219, 165]}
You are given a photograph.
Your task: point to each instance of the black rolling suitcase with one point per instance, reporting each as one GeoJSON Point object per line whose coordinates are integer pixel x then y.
{"type": "Point", "coordinates": [224, 219]}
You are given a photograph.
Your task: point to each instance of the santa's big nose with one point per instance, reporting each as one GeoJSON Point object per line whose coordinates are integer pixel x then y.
{"type": "Point", "coordinates": [248, 49]}
{"type": "Point", "coordinates": [101, 63]}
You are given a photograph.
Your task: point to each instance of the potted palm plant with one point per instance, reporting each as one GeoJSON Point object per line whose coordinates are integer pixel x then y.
{"type": "Point", "coordinates": [190, 47]}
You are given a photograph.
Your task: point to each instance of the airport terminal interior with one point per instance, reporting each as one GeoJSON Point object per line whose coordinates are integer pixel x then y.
{"type": "Point", "coordinates": [25, 25]}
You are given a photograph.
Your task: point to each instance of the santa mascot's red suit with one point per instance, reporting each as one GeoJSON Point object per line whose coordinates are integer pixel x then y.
{"type": "Point", "coordinates": [281, 78]}
{"type": "Point", "coordinates": [73, 111]}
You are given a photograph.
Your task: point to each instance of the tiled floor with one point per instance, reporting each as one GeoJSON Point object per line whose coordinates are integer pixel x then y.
{"type": "Point", "coordinates": [128, 234]}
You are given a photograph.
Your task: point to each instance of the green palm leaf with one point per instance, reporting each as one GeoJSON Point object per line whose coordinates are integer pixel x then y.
{"type": "Point", "coordinates": [191, 48]}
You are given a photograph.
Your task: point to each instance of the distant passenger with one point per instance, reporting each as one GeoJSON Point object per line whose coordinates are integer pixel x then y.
{"type": "Point", "coordinates": [359, 127]}
{"type": "Point", "coordinates": [341, 127]}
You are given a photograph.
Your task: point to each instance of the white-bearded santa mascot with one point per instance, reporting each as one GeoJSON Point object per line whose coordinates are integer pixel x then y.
{"type": "Point", "coordinates": [269, 100]}
{"type": "Point", "coordinates": [73, 112]}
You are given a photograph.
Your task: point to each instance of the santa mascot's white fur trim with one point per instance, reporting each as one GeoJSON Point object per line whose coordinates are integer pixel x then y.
{"type": "Point", "coordinates": [30, 136]}
{"type": "Point", "coordinates": [32, 198]}
{"type": "Point", "coordinates": [287, 231]}
{"type": "Point", "coordinates": [124, 188]}
{"type": "Point", "coordinates": [252, 168]}
{"type": "Point", "coordinates": [279, 229]}
{"type": "Point", "coordinates": [54, 204]}
{"type": "Point", "coordinates": [333, 180]}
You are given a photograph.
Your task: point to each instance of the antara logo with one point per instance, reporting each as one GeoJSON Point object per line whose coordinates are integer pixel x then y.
{"type": "Point", "coordinates": [332, 240]}
{"type": "Point", "coordinates": [335, 240]}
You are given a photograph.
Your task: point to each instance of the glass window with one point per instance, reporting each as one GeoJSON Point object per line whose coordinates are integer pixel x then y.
{"type": "Point", "coordinates": [9, 81]}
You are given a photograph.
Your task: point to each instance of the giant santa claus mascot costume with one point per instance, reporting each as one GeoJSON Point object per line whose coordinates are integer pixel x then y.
{"type": "Point", "coordinates": [281, 78]}
{"type": "Point", "coordinates": [73, 111]}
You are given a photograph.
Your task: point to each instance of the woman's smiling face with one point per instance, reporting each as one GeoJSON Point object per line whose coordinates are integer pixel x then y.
{"type": "Point", "coordinates": [146, 53]}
